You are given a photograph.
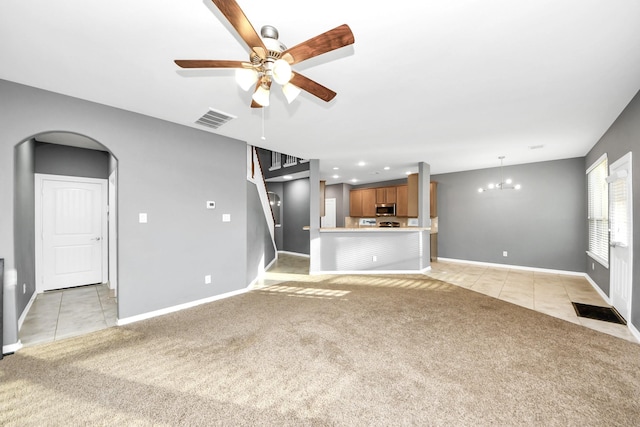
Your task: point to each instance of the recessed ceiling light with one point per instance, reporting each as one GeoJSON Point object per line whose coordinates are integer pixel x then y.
{"type": "Point", "coordinates": [361, 163]}
{"type": "Point", "coordinates": [387, 168]}
{"type": "Point", "coordinates": [335, 168]}
{"type": "Point", "coordinates": [408, 172]}
{"type": "Point", "coordinates": [287, 177]}
{"type": "Point", "coordinates": [336, 176]}
{"type": "Point", "coordinates": [354, 180]}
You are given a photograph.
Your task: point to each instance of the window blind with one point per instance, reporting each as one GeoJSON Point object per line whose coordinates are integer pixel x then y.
{"type": "Point", "coordinates": [598, 210]}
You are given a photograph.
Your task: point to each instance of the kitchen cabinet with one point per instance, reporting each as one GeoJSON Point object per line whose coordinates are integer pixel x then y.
{"type": "Point", "coordinates": [362, 203]}
{"type": "Point", "coordinates": [386, 195]}
{"type": "Point", "coordinates": [402, 200]}
{"type": "Point", "coordinates": [369, 202]}
{"type": "Point", "coordinates": [355, 203]}
{"type": "Point", "coordinates": [412, 199]}
{"type": "Point", "coordinates": [322, 197]}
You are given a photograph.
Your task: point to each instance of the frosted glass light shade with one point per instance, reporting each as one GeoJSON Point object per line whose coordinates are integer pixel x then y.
{"type": "Point", "coordinates": [281, 71]}
{"type": "Point", "coordinates": [246, 77]}
{"type": "Point", "coordinates": [261, 96]}
{"type": "Point", "coordinates": [290, 92]}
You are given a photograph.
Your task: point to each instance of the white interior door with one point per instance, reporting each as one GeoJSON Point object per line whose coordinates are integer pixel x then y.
{"type": "Point", "coordinates": [621, 241]}
{"type": "Point", "coordinates": [329, 218]}
{"type": "Point", "coordinates": [71, 215]}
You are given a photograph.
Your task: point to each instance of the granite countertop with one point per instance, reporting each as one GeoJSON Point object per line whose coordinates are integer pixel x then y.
{"type": "Point", "coordinates": [374, 229]}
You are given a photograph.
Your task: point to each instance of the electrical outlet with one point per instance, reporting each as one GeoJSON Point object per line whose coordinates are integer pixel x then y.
{"type": "Point", "coordinates": [207, 279]}
{"type": "Point", "coordinates": [505, 254]}
{"type": "Point", "coordinates": [374, 258]}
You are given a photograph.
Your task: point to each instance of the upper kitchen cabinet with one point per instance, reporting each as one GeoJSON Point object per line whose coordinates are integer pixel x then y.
{"type": "Point", "coordinates": [412, 202]}
{"type": "Point", "coordinates": [355, 203]}
{"type": "Point", "coordinates": [362, 202]}
{"type": "Point", "coordinates": [386, 195]}
{"type": "Point", "coordinates": [368, 202]}
{"type": "Point", "coordinates": [402, 201]}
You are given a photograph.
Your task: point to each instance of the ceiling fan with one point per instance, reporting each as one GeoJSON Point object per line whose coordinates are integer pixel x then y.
{"type": "Point", "coordinates": [270, 60]}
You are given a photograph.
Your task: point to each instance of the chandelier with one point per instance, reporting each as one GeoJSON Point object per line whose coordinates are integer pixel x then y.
{"type": "Point", "coordinates": [503, 184]}
{"type": "Point", "coordinates": [262, 72]}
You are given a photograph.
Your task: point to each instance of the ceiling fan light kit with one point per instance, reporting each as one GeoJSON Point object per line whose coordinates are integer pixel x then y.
{"type": "Point", "coordinates": [270, 60]}
{"type": "Point", "coordinates": [503, 184]}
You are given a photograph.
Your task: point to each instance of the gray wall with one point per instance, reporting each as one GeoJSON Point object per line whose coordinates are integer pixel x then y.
{"type": "Point", "coordinates": [623, 136]}
{"type": "Point", "coordinates": [295, 215]}
{"type": "Point", "coordinates": [277, 187]}
{"type": "Point", "coordinates": [165, 170]}
{"type": "Point", "coordinates": [260, 247]}
{"type": "Point", "coordinates": [71, 161]}
{"type": "Point", "coordinates": [24, 223]}
{"type": "Point", "coordinates": [542, 225]}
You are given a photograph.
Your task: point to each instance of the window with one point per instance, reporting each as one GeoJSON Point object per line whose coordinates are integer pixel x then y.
{"type": "Point", "coordinates": [598, 211]}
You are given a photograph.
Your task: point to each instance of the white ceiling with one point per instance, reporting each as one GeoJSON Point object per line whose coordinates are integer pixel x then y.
{"type": "Point", "coordinates": [454, 83]}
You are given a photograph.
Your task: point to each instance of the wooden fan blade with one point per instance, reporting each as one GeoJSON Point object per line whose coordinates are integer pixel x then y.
{"type": "Point", "coordinates": [312, 87]}
{"type": "Point", "coordinates": [210, 63]}
{"type": "Point", "coordinates": [232, 11]}
{"type": "Point", "coordinates": [326, 42]}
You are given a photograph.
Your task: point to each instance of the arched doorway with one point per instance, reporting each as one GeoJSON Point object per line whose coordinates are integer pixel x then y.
{"type": "Point", "coordinates": [62, 156]}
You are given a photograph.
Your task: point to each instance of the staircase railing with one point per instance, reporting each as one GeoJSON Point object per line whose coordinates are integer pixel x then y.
{"type": "Point", "coordinates": [257, 176]}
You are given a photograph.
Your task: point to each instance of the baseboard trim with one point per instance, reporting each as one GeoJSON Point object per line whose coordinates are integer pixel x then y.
{"type": "Point", "coordinates": [515, 267]}
{"type": "Point", "coordinates": [369, 272]}
{"type": "Point", "coordinates": [295, 254]}
{"type": "Point", "coordinates": [595, 286]}
{"type": "Point", "coordinates": [634, 331]}
{"type": "Point", "coordinates": [156, 313]}
{"type": "Point", "coordinates": [26, 310]}
{"type": "Point", "coordinates": [11, 348]}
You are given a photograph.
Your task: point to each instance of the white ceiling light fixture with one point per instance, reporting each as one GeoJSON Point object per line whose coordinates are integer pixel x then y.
{"type": "Point", "coordinates": [503, 184]}
{"type": "Point", "coordinates": [267, 70]}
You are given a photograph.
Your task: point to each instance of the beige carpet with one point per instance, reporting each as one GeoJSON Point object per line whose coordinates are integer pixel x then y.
{"type": "Point", "coordinates": [349, 350]}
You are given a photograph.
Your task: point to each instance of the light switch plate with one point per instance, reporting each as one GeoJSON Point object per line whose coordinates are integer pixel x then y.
{"type": "Point", "coordinates": [226, 217]}
{"type": "Point", "coordinates": [142, 218]}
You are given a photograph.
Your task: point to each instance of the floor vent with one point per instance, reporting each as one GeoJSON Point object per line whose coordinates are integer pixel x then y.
{"type": "Point", "coordinates": [214, 119]}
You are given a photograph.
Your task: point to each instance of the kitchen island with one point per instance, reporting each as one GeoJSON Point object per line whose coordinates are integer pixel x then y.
{"type": "Point", "coordinates": [374, 250]}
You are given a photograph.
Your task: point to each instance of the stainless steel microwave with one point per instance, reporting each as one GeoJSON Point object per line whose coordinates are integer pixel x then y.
{"type": "Point", "coordinates": [386, 209]}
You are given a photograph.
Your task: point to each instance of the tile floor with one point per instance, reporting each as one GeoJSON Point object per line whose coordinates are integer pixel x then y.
{"type": "Point", "coordinates": [69, 312]}
{"type": "Point", "coordinates": [65, 313]}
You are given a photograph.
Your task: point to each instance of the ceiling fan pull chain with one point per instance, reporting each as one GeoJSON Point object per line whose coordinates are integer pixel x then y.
{"type": "Point", "coordinates": [263, 137]}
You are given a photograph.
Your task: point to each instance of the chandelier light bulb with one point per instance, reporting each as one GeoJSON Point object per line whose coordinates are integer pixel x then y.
{"type": "Point", "coordinates": [508, 181]}
{"type": "Point", "coordinates": [261, 96]}
{"type": "Point", "coordinates": [246, 77]}
{"type": "Point", "coordinates": [517, 187]}
{"type": "Point", "coordinates": [282, 72]}
{"type": "Point", "coordinates": [291, 92]}
{"type": "Point", "coordinates": [490, 186]}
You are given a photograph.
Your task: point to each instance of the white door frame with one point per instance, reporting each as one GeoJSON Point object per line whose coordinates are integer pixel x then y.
{"type": "Point", "coordinates": [112, 234]}
{"type": "Point", "coordinates": [617, 272]}
{"type": "Point", "coordinates": [39, 182]}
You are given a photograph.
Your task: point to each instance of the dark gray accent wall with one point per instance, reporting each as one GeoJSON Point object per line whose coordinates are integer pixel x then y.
{"type": "Point", "coordinates": [24, 222]}
{"type": "Point", "coordinates": [622, 137]}
{"type": "Point", "coordinates": [295, 215]}
{"type": "Point", "coordinates": [542, 225]}
{"type": "Point", "coordinates": [165, 170]}
{"type": "Point", "coordinates": [71, 161]}
{"type": "Point", "coordinates": [260, 247]}
{"type": "Point", "coordinates": [277, 187]}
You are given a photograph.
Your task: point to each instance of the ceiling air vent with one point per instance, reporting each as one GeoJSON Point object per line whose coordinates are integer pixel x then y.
{"type": "Point", "coordinates": [214, 119]}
